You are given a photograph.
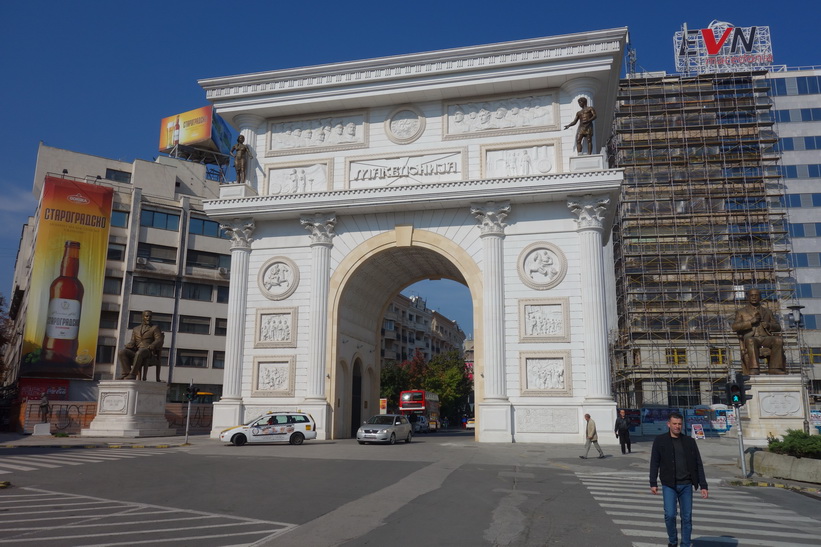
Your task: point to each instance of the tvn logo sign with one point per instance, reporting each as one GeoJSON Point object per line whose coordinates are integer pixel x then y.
{"type": "Point", "coordinates": [722, 47]}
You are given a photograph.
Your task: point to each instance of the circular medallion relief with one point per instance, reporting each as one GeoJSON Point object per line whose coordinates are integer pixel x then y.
{"type": "Point", "coordinates": [405, 124]}
{"type": "Point", "coordinates": [278, 278]}
{"type": "Point", "coordinates": [542, 266]}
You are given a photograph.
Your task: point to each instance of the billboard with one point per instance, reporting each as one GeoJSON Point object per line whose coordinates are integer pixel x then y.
{"type": "Point", "coordinates": [199, 128]}
{"type": "Point", "coordinates": [67, 274]}
{"type": "Point", "coordinates": [722, 47]}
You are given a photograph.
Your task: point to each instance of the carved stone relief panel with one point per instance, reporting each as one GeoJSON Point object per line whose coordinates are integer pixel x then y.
{"type": "Point", "coordinates": [524, 159]}
{"type": "Point", "coordinates": [525, 113]}
{"type": "Point", "coordinates": [309, 135]}
{"type": "Point", "coordinates": [547, 420]}
{"type": "Point", "coordinates": [544, 320]}
{"type": "Point", "coordinates": [780, 404]}
{"type": "Point", "coordinates": [273, 377]}
{"type": "Point", "coordinates": [278, 278]}
{"type": "Point", "coordinates": [542, 265]}
{"type": "Point", "coordinates": [276, 328]}
{"type": "Point", "coordinates": [421, 168]}
{"type": "Point", "coordinates": [545, 373]}
{"type": "Point", "coordinates": [299, 178]}
{"type": "Point", "coordinates": [405, 124]}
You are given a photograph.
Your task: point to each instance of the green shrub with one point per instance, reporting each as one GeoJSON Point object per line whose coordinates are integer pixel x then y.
{"type": "Point", "coordinates": [796, 443]}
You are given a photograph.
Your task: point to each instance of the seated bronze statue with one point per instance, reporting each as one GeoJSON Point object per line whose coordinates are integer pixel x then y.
{"type": "Point", "coordinates": [759, 335]}
{"type": "Point", "coordinates": [142, 351]}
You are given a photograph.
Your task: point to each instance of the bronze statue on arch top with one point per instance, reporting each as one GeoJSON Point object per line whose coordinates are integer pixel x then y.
{"type": "Point", "coordinates": [759, 334]}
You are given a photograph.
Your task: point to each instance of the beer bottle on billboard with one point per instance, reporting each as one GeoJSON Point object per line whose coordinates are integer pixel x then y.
{"type": "Point", "coordinates": [177, 132]}
{"type": "Point", "coordinates": [64, 308]}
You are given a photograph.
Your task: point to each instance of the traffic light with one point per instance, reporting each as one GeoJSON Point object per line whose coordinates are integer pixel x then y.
{"type": "Point", "coordinates": [736, 390]}
{"type": "Point", "coordinates": [191, 392]}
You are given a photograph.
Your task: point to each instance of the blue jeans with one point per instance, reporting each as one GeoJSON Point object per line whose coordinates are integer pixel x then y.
{"type": "Point", "coordinates": [683, 495]}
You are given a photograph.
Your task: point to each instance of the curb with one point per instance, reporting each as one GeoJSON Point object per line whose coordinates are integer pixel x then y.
{"type": "Point", "coordinates": [81, 446]}
{"type": "Point", "coordinates": [769, 484]}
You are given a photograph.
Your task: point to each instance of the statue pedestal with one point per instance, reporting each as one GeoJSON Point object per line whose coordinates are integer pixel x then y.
{"type": "Point", "coordinates": [130, 408]}
{"type": "Point", "coordinates": [591, 162]}
{"type": "Point", "coordinates": [777, 405]}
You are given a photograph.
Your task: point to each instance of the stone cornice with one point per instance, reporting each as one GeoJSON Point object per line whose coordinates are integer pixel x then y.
{"type": "Point", "coordinates": [435, 64]}
{"type": "Point", "coordinates": [443, 195]}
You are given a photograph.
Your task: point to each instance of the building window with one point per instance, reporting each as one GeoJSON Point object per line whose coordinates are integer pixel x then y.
{"type": "Point", "coordinates": [197, 291]}
{"type": "Point", "coordinates": [195, 325]}
{"type": "Point", "coordinates": [109, 319]}
{"type": "Point", "coordinates": [162, 320]}
{"type": "Point", "coordinates": [221, 327]}
{"type": "Point", "coordinates": [192, 358]}
{"type": "Point", "coordinates": [203, 259]}
{"type": "Point", "coordinates": [116, 251]}
{"type": "Point", "coordinates": [676, 356]}
{"type": "Point", "coordinates": [118, 176]}
{"type": "Point", "coordinates": [209, 228]}
{"type": "Point", "coordinates": [157, 253]}
{"type": "Point", "coordinates": [160, 220]}
{"type": "Point", "coordinates": [718, 356]}
{"type": "Point", "coordinates": [147, 286]}
{"type": "Point", "coordinates": [219, 359]}
{"type": "Point", "coordinates": [222, 294]}
{"type": "Point", "coordinates": [811, 355]}
{"type": "Point", "coordinates": [112, 285]}
{"type": "Point", "coordinates": [105, 354]}
{"type": "Point", "coordinates": [119, 219]}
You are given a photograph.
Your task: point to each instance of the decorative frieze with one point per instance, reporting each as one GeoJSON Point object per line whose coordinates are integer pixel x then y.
{"type": "Point", "coordinates": [501, 115]}
{"type": "Point", "coordinates": [542, 265]}
{"type": "Point", "coordinates": [545, 373]}
{"type": "Point", "coordinates": [276, 328]}
{"type": "Point", "coordinates": [299, 178]}
{"type": "Point", "coordinates": [522, 159]}
{"type": "Point", "coordinates": [329, 132]}
{"type": "Point", "coordinates": [278, 278]}
{"type": "Point", "coordinates": [273, 377]}
{"type": "Point", "coordinates": [544, 320]}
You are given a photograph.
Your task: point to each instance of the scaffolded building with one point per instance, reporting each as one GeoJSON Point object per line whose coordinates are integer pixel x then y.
{"type": "Point", "coordinates": [701, 220]}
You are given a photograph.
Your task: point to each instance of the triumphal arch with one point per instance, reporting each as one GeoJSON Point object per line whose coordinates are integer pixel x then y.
{"type": "Point", "coordinates": [367, 176]}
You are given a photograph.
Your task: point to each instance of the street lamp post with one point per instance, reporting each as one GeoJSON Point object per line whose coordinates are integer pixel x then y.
{"type": "Point", "coordinates": [797, 321]}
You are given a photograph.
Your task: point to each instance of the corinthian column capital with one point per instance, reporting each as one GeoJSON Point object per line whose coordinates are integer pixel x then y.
{"type": "Point", "coordinates": [321, 226]}
{"type": "Point", "coordinates": [491, 216]}
{"type": "Point", "coordinates": [240, 230]}
{"type": "Point", "coordinates": [590, 211]}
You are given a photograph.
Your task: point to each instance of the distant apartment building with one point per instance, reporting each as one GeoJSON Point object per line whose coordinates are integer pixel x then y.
{"type": "Point", "coordinates": [164, 255]}
{"type": "Point", "coordinates": [796, 96]}
{"type": "Point", "coordinates": [409, 325]}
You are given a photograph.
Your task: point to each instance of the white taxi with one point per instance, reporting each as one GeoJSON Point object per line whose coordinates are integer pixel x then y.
{"type": "Point", "coordinates": [273, 427]}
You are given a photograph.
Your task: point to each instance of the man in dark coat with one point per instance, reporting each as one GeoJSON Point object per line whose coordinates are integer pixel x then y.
{"type": "Point", "coordinates": [146, 343]}
{"type": "Point", "coordinates": [622, 430]}
{"type": "Point", "coordinates": [675, 459]}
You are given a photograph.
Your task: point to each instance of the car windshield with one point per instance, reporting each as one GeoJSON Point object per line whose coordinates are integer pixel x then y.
{"type": "Point", "coordinates": [382, 420]}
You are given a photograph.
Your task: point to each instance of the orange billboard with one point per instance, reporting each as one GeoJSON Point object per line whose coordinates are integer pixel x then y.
{"type": "Point", "coordinates": [201, 128]}
{"type": "Point", "coordinates": [67, 274]}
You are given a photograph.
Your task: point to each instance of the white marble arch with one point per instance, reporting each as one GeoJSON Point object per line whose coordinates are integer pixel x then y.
{"type": "Point", "coordinates": [365, 242]}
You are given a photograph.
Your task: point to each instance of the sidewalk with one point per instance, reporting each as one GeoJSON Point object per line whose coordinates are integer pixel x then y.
{"type": "Point", "coordinates": [18, 440]}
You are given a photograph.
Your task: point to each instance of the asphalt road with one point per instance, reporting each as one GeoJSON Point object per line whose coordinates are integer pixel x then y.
{"type": "Point", "coordinates": [440, 490]}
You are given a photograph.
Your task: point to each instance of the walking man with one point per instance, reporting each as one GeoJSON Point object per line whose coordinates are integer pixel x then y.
{"type": "Point", "coordinates": [592, 438]}
{"type": "Point", "coordinates": [676, 460]}
{"type": "Point", "coordinates": [623, 432]}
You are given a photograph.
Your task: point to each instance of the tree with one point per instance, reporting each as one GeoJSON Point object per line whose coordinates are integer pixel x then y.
{"type": "Point", "coordinates": [5, 335]}
{"type": "Point", "coordinates": [393, 378]}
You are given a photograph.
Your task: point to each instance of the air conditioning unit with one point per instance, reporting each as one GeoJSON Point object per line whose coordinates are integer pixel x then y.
{"type": "Point", "coordinates": [142, 261]}
{"type": "Point", "coordinates": [223, 271]}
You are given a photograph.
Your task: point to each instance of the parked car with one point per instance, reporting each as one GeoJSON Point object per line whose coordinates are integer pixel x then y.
{"type": "Point", "coordinates": [471, 424]}
{"type": "Point", "coordinates": [385, 428]}
{"type": "Point", "coordinates": [420, 423]}
{"type": "Point", "coordinates": [273, 427]}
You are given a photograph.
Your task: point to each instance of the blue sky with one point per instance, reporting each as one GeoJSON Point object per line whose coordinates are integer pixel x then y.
{"type": "Point", "coordinates": [96, 77]}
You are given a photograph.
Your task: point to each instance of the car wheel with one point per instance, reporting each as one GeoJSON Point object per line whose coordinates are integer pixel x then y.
{"type": "Point", "coordinates": [362, 442]}
{"type": "Point", "coordinates": [297, 438]}
{"type": "Point", "coordinates": [393, 438]}
{"type": "Point", "coordinates": [239, 439]}
{"type": "Point", "coordinates": [410, 436]}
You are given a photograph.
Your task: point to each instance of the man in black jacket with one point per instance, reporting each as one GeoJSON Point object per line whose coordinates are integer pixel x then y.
{"type": "Point", "coordinates": [676, 460]}
{"type": "Point", "coordinates": [622, 430]}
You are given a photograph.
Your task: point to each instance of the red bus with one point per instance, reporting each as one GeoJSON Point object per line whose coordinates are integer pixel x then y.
{"type": "Point", "coordinates": [421, 408]}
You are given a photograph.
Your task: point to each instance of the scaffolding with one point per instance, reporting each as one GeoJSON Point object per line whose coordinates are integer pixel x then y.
{"type": "Point", "coordinates": [701, 220]}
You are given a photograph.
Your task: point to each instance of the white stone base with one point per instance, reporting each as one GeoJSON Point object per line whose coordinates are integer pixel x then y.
{"type": "Point", "coordinates": [227, 413]}
{"type": "Point", "coordinates": [42, 429]}
{"type": "Point", "coordinates": [130, 408]}
{"type": "Point", "coordinates": [320, 411]}
{"type": "Point", "coordinates": [494, 422]}
{"type": "Point", "coordinates": [593, 162]}
{"type": "Point", "coordinates": [777, 405]}
{"type": "Point", "coordinates": [231, 191]}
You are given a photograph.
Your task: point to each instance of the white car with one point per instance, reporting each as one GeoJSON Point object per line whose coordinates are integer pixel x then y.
{"type": "Point", "coordinates": [273, 427]}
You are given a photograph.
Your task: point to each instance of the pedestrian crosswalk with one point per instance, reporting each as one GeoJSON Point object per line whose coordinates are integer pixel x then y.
{"type": "Point", "coordinates": [10, 463]}
{"type": "Point", "coordinates": [32, 516]}
{"type": "Point", "coordinates": [730, 516]}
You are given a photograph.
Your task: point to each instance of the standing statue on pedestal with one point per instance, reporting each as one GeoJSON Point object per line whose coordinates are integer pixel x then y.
{"type": "Point", "coordinates": [240, 153]}
{"type": "Point", "coordinates": [585, 118]}
{"type": "Point", "coordinates": [759, 335]}
{"type": "Point", "coordinates": [142, 351]}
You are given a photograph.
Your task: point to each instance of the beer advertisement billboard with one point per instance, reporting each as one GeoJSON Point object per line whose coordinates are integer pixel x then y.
{"type": "Point", "coordinates": [67, 275]}
{"type": "Point", "coordinates": [200, 128]}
